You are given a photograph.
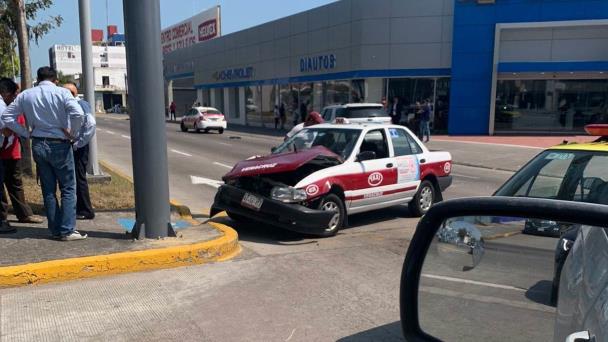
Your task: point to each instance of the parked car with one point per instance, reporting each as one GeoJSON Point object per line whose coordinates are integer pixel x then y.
{"type": "Point", "coordinates": [357, 113]}
{"type": "Point", "coordinates": [324, 173]}
{"type": "Point", "coordinates": [203, 119]}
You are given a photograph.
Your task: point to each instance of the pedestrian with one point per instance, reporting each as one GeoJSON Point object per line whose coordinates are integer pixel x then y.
{"type": "Point", "coordinates": [282, 115]}
{"type": "Point", "coordinates": [277, 117]}
{"type": "Point", "coordinates": [10, 155]}
{"type": "Point", "coordinates": [80, 145]}
{"type": "Point", "coordinates": [53, 113]}
{"type": "Point", "coordinates": [314, 118]}
{"type": "Point", "coordinates": [303, 111]}
{"type": "Point", "coordinates": [425, 119]}
{"type": "Point", "coordinates": [395, 111]}
{"type": "Point", "coordinates": [172, 108]}
{"type": "Point", "coordinates": [5, 95]}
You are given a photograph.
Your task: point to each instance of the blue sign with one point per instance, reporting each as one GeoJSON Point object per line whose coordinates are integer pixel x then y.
{"type": "Point", "coordinates": [317, 63]}
{"type": "Point", "coordinates": [233, 74]}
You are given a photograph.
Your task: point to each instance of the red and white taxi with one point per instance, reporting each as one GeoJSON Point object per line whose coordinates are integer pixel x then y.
{"type": "Point", "coordinates": [318, 177]}
{"type": "Point", "coordinates": [203, 119]}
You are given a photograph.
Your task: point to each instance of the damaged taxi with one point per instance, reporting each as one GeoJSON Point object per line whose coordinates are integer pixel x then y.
{"type": "Point", "coordinates": [316, 178]}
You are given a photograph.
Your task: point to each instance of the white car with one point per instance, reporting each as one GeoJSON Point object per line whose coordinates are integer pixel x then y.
{"type": "Point", "coordinates": [357, 113]}
{"type": "Point", "coordinates": [203, 119]}
{"type": "Point", "coordinates": [325, 172]}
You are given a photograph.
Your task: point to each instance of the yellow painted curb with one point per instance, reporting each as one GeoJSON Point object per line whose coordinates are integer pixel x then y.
{"type": "Point", "coordinates": [220, 249]}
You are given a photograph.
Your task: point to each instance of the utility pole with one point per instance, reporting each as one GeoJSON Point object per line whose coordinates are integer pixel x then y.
{"type": "Point", "coordinates": [146, 105]}
{"type": "Point", "coordinates": [88, 79]}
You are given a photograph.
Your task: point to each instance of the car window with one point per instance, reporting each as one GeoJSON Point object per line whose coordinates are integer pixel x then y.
{"type": "Point", "coordinates": [327, 115]}
{"type": "Point", "coordinates": [339, 141]}
{"type": "Point", "coordinates": [593, 185]}
{"type": "Point", "coordinates": [375, 141]}
{"type": "Point", "coordinates": [401, 143]}
{"type": "Point", "coordinates": [362, 112]}
{"type": "Point", "coordinates": [212, 111]}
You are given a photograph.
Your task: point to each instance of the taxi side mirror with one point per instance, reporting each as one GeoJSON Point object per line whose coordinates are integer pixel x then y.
{"type": "Point", "coordinates": [366, 155]}
{"type": "Point", "coordinates": [451, 237]}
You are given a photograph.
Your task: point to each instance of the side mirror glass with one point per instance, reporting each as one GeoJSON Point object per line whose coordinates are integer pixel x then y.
{"type": "Point", "coordinates": [366, 155]}
{"type": "Point", "coordinates": [503, 268]}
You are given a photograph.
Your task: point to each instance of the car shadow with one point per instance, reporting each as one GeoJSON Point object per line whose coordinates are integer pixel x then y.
{"type": "Point", "coordinates": [540, 293]}
{"type": "Point", "coordinates": [264, 233]}
{"type": "Point", "coordinates": [388, 332]}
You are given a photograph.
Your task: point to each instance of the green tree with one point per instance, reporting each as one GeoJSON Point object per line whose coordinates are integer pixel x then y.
{"type": "Point", "coordinates": [14, 16]}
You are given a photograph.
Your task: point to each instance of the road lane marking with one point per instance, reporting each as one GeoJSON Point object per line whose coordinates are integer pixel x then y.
{"type": "Point", "coordinates": [110, 132]}
{"type": "Point", "coordinates": [196, 180]}
{"type": "Point", "coordinates": [125, 136]}
{"type": "Point", "coordinates": [223, 143]}
{"type": "Point", "coordinates": [464, 176]}
{"type": "Point", "coordinates": [487, 299]}
{"type": "Point", "coordinates": [473, 282]}
{"type": "Point", "coordinates": [182, 153]}
{"type": "Point", "coordinates": [222, 165]}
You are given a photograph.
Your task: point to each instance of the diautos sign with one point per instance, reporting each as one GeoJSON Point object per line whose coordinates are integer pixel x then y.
{"type": "Point", "coordinates": [233, 74]}
{"type": "Point", "coordinates": [317, 63]}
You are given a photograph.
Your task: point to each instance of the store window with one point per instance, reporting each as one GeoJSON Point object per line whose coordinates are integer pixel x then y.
{"type": "Point", "coordinates": [411, 92]}
{"type": "Point", "coordinates": [252, 107]}
{"type": "Point", "coordinates": [550, 105]}
{"type": "Point", "coordinates": [288, 97]}
{"type": "Point", "coordinates": [357, 91]}
{"type": "Point", "coordinates": [336, 92]}
{"type": "Point", "coordinates": [267, 102]}
{"type": "Point", "coordinates": [219, 99]}
{"type": "Point", "coordinates": [442, 105]}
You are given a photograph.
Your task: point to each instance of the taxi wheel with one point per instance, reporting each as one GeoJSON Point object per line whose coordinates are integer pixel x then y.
{"type": "Point", "coordinates": [424, 199]}
{"type": "Point", "coordinates": [221, 131]}
{"type": "Point", "coordinates": [332, 202]}
{"type": "Point", "coordinates": [183, 127]}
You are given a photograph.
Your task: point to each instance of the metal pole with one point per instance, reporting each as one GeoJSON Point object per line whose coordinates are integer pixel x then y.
{"type": "Point", "coordinates": [146, 103]}
{"type": "Point", "coordinates": [88, 79]}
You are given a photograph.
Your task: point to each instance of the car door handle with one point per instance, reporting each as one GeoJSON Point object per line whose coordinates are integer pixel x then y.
{"type": "Point", "coordinates": [578, 336]}
{"type": "Point", "coordinates": [422, 161]}
{"type": "Point", "coordinates": [389, 165]}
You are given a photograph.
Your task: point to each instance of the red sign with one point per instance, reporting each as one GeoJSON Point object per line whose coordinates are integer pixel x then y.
{"type": "Point", "coordinates": [207, 30]}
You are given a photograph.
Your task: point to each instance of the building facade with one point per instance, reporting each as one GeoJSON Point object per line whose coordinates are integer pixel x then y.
{"type": "Point", "coordinates": [109, 66]}
{"type": "Point", "coordinates": [503, 66]}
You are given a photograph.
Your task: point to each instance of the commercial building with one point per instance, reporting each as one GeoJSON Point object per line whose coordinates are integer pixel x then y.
{"type": "Point", "coordinates": [109, 68]}
{"type": "Point", "coordinates": [489, 67]}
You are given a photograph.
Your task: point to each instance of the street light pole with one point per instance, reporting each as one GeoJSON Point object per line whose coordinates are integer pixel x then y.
{"type": "Point", "coordinates": [148, 136]}
{"type": "Point", "coordinates": [88, 79]}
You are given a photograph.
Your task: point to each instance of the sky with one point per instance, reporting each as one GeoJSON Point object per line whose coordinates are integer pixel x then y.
{"type": "Point", "coordinates": [236, 15]}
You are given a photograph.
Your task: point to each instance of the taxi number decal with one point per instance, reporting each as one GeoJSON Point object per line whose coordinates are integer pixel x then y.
{"type": "Point", "coordinates": [373, 194]}
{"type": "Point", "coordinates": [559, 156]}
{"type": "Point", "coordinates": [375, 179]}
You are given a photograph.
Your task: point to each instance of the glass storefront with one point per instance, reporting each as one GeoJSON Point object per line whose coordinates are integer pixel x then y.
{"type": "Point", "coordinates": [219, 99]}
{"type": "Point", "coordinates": [252, 106]}
{"type": "Point", "coordinates": [336, 92]}
{"type": "Point", "coordinates": [550, 105]}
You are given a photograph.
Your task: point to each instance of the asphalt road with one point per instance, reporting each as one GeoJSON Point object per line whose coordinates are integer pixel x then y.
{"type": "Point", "coordinates": [286, 287]}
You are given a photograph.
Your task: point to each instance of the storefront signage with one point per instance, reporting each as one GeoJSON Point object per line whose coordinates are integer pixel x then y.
{"type": "Point", "coordinates": [317, 63]}
{"type": "Point", "coordinates": [233, 74]}
{"type": "Point", "coordinates": [194, 30]}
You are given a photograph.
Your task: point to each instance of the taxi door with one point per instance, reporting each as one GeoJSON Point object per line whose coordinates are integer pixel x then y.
{"type": "Point", "coordinates": [407, 164]}
{"type": "Point", "coordinates": [375, 178]}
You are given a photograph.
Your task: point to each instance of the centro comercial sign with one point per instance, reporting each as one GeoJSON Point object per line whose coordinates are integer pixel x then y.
{"type": "Point", "coordinates": [318, 63]}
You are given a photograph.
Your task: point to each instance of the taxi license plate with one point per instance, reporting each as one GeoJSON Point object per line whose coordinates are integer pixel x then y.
{"type": "Point", "coordinates": [252, 201]}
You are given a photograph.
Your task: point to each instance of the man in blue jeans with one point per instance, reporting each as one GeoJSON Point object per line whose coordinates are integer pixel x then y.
{"type": "Point", "coordinates": [53, 113]}
{"type": "Point", "coordinates": [425, 120]}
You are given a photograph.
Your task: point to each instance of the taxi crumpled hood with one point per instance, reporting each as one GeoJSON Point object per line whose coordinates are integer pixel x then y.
{"type": "Point", "coordinates": [276, 163]}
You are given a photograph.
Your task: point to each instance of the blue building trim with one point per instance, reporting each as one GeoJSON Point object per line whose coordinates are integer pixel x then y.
{"type": "Point", "coordinates": [473, 48]}
{"type": "Point", "coordinates": [553, 66]}
{"type": "Point", "coordinates": [440, 72]}
{"type": "Point", "coordinates": [178, 76]}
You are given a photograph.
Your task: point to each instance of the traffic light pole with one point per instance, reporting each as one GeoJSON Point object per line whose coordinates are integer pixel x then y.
{"type": "Point", "coordinates": [146, 107]}
{"type": "Point", "coordinates": [88, 80]}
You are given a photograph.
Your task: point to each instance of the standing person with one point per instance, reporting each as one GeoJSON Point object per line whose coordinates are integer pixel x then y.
{"type": "Point", "coordinates": [53, 114]}
{"type": "Point", "coordinates": [10, 154]}
{"type": "Point", "coordinates": [5, 95]}
{"type": "Point", "coordinates": [282, 115]}
{"type": "Point", "coordinates": [395, 111]}
{"type": "Point", "coordinates": [172, 108]}
{"type": "Point", "coordinates": [425, 120]}
{"type": "Point", "coordinates": [277, 116]}
{"type": "Point", "coordinates": [303, 111]}
{"type": "Point", "coordinates": [84, 209]}
{"type": "Point", "coordinates": [314, 118]}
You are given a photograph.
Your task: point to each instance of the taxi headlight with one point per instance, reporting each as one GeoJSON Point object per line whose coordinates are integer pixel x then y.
{"type": "Point", "coordinates": [287, 194]}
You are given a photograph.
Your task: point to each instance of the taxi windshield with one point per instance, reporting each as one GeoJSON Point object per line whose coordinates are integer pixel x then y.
{"type": "Point", "coordinates": [339, 141]}
{"type": "Point", "coordinates": [568, 175]}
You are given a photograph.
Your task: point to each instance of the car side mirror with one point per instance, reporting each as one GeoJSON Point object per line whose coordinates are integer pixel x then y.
{"type": "Point", "coordinates": [366, 155]}
{"type": "Point", "coordinates": [475, 270]}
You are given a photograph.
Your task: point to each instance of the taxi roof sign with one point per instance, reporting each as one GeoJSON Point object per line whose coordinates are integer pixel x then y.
{"type": "Point", "coordinates": [597, 130]}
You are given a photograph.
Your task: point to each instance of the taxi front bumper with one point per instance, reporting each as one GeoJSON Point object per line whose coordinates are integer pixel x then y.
{"type": "Point", "coordinates": [290, 216]}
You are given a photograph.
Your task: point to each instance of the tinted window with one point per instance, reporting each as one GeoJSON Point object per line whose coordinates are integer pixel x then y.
{"type": "Point", "coordinates": [375, 141]}
{"type": "Point", "coordinates": [339, 141]}
{"type": "Point", "coordinates": [362, 112]}
{"type": "Point", "coordinates": [212, 111]}
{"type": "Point", "coordinates": [401, 143]}
{"type": "Point", "coordinates": [416, 149]}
